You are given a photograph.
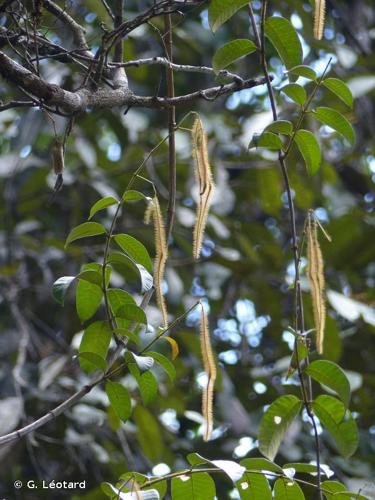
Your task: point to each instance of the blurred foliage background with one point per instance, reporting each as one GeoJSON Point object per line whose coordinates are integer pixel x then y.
{"type": "Point", "coordinates": [243, 278]}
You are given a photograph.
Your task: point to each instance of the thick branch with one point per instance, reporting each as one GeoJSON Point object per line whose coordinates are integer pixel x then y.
{"type": "Point", "coordinates": [81, 100]}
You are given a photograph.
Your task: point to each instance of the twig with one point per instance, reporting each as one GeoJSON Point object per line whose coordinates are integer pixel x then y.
{"type": "Point", "coordinates": [299, 314]}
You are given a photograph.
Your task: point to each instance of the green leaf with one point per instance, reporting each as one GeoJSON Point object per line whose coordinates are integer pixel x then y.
{"type": "Point", "coordinates": [285, 489]}
{"type": "Point", "coordinates": [339, 423]}
{"type": "Point", "coordinates": [124, 332]}
{"type": "Point", "coordinates": [148, 387]}
{"type": "Point", "coordinates": [336, 121]}
{"type": "Point", "coordinates": [120, 400]}
{"type": "Point", "coordinates": [84, 230]}
{"type": "Point", "coordinates": [91, 276]}
{"type": "Point", "coordinates": [254, 486]}
{"type": "Point", "coordinates": [303, 468]}
{"type": "Point", "coordinates": [88, 299]}
{"type": "Point", "coordinates": [94, 359]}
{"type": "Point", "coordinates": [304, 71]}
{"type": "Point", "coordinates": [303, 352]}
{"type": "Point", "coordinates": [102, 204]}
{"type": "Point", "coordinates": [197, 486]}
{"type": "Point", "coordinates": [129, 477]}
{"type": "Point", "coordinates": [60, 288]}
{"type": "Point", "coordinates": [285, 40]}
{"type": "Point", "coordinates": [331, 488]}
{"type": "Point", "coordinates": [280, 127]}
{"type": "Point", "coordinates": [121, 259]}
{"type": "Point", "coordinates": [266, 140]}
{"type": "Point", "coordinates": [341, 89]}
{"type": "Point", "coordinates": [149, 433]}
{"type": "Point", "coordinates": [295, 92]}
{"type": "Point", "coordinates": [230, 52]}
{"type": "Point", "coordinates": [132, 195]}
{"type": "Point", "coordinates": [331, 375]}
{"type": "Point", "coordinates": [261, 464]}
{"type": "Point", "coordinates": [164, 363]}
{"type": "Point", "coordinates": [275, 423]}
{"type": "Point", "coordinates": [220, 11]}
{"type": "Point", "coordinates": [118, 298]}
{"type": "Point", "coordinates": [132, 313]}
{"type": "Point", "coordinates": [309, 149]}
{"type": "Point", "coordinates": [135, 249]}
{"type": "Point", "coordinates": [96, 339]}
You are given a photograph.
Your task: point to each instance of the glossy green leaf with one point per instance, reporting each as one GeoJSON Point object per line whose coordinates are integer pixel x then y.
{"type": "Point", "coordinates": [304, 71]}
{"type": "Point", "coordinates": [284, 127]}
{"type": "Point", "coordinates": [94, 359]}
{"type": "Point", "coordinates": [275, 422]}
{"type": "Point", "coordinates": [266, 140]}
{"type": "Point", "coordinates": [336, 121]}
{"type": "Point", "coordinates": [119, 398]}
{"type": "Point", "coordinates": [120, 259]}
{"type": "Point", "coordinates": [254, 486]}
{"type": "Point", "coordinates": [261, 464]}
{"type": "Point", "coordinates": [132, 313]}
{"type": "Point", "coordinates": [341, 89]}
{"type": "Point", "coordinates": [164, 362]}
{"type": "Point", "coordinates": [309, 149]}
{"type": "Point", "coordinates": [96, 340]}
{"type": "Point", "coordinates": [197, 486]}
{"type": "Point", "coordinates": [91, 276]}
{"type": "Point", "coordinates": [285, 489]}
{"type": "Point", "coordinates": [331, 490]}
{"type": "Point", "coordinates": [149, 433]}
{"type": "Point", "coordinates": [284, 38]}
{"type": "Point", "coordinates": [295, 92]}
{"type": "Point", "coordinates": [339, 423]}
{"type": "Point", "coordinates": [129, 477]}
{"type": "Point", "coordinates": [132, 195]}
{"type": "Point", "coordinates": [331, 375]}
{"type": "Point", "coordinates": [220, 11]}
{"type": "Point", "coordinates": [303, 468]}
{"type": "Point", "coordinates": [148, 387]}
{"type": "Point", "coordinates": [101, 204]}
{"type": "Point", "coordinates": [60, 288]}
{"type": "Point", "coordinates": [118, 298]}
{"type": "Point", "coordinates": [85, 230]}
{"type": "Point", "coordinates": [131, 336]}
{"type": "Point", "coordinates": [135, 249]}
{"type": "Point", "coordinates": [88, 299]}
{"type": "Point", "coordinates": [303, 352]}
{"type": "Point", "coordinates": [231, 52]}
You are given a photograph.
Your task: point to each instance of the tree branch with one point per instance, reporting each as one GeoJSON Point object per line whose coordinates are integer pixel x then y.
{"type": "Point", "coordinates": [83, 99]}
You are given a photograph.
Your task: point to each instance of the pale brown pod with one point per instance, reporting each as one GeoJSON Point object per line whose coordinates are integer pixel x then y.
{"type": "Point", "coordinates": [161, 246]}
{"type": "Point", "coordinates": [205, 183]}
{"type": "Point", "coordinates": [210, 370]}
{"type": "Point", "coordinates": [315, 273]}
{"type": "Point", "coordinates": [319, 16]}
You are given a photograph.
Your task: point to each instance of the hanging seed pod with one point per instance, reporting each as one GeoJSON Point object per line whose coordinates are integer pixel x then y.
{"type": "Point", "coordinates": [153, 210]}
{"type": "Point", "coordinates": [210, 369]}
{"type": "Point", "coordinates": [320, 8]}
{"type": "Point", "coordinates": [206, 185]}
{"type": "Point", "coordinates": [316, 278]}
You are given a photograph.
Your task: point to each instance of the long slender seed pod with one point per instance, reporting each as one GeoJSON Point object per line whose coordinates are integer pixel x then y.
{"type": "Point", "coordinates": [320, 7]}
{"type": "Point", "coordinates": [210, 369]}
{"type": "Point", "coordinates": [206, 185]}
{"type": "Point", "coordinates": [316, 278]}
{"type": "Point", "coordinates": [161, 254]}
{"type": "Point", "coordinates": [58, 157]}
